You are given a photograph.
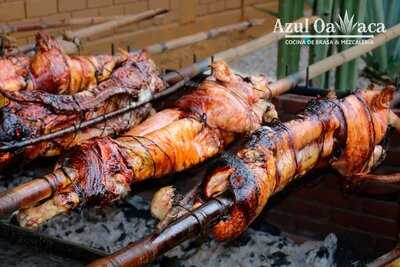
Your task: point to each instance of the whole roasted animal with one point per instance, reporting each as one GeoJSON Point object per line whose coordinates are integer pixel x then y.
{"type": "Point", "coordinates": [51, 70]}
{"type": "Point", "coordinates": [29, 114]}
{"type": "Point", "coordinates": [102, 170]}
{"type": "Point", "coordinates": [345, 134]}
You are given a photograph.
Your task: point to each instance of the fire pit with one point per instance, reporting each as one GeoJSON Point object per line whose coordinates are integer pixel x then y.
{"type": "Point", "coordinates": [106, 230]}
{"type": "Point", "coordinates": [98, 231]}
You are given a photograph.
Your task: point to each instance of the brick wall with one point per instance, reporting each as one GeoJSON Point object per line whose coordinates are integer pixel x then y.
{"type": "Point", "coordinates": [185, 17]}
{"type": "Point", "coordinates": [316, 205]}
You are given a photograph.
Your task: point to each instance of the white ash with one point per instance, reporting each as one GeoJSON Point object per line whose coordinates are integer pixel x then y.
{"type": "Point", "coordinates": [107, 229]}
{"type": "Point", "coordinates": [257, 248]}
{"type": "Point", "coordinates": [115, 227]}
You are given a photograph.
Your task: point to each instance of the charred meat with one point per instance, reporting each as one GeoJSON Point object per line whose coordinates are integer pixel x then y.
{"type": "Point", "coordinates": [51, 70]}
{"type": "Point", "coordinates": [201, 125]}
{"type": "Point", "coordinates": [344, 134]}
{"type": "Point", "coordinates": [34, 113]}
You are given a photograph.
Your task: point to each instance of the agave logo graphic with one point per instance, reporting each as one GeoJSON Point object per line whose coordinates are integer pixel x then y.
{"type": "Point", "coordinates": [344, 27]}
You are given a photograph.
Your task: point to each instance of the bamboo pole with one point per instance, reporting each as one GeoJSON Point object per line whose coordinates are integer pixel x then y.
{"type": "Point", "coordinates": [295, 50]}
{"type": "Point", "coordinates": [391, 19]}
{"type": "Point", "coordinates": [318, 52]}
{"type": "Point", "coordinates": [171, 78]}
{"type": "Point", "coordinates": [378, 15]}
{"type": "Point", "coordinates": [7, 28]}
{"type": "Point", "coordinates": [113, 24]}
{"type": "Point", "coordinates": [360, 10]}
{"type": "Point", "coordinates": [346, 75]}
{"type": "Point", "coordinates": [149, 248]}
{"type": "Point", "coordinates": [289, 55]}
{"type": "Point", "coordinates": [201, 36]}
{"type": "Point", "coordinates": [285, 15]}
{"type": "Point", "coordinates": [342, 83]}
{"type": "Point", "coordinates": [74, 36]}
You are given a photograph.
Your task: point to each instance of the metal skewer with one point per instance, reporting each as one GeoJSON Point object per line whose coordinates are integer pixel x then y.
{"type": "Point", "coordinates": [146, 250]}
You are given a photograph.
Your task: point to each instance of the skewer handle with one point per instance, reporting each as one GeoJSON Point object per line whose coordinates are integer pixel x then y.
{"type": "Point", "coordinates": [25, 195]}
{"type": "Point", "coordinates": [20, 196]}
{"type": "Point", "coordinates": [146, 250]}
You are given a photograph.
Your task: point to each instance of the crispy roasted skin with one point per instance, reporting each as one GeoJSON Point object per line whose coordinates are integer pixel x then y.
{"type": "Point", "coordinates": [342, 133]}
{"type": "Point", "coordinates": [34, 113]}
{"type": "Point", "coordinates": [51, 70]}
{"type": "Point", "coordinates": [199, 127]}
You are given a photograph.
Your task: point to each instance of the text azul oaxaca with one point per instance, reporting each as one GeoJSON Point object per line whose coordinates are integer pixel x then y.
{"type": "Point", "coordinates": [344, 26]}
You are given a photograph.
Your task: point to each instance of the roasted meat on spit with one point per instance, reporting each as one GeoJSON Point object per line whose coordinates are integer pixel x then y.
{"type": "Point", "coordinates": [344, 134]}
{"type": "Point", "coordinates": [327, 133]}
{"type": "Point", "coordinates": [102, 170]}
{"type": "Point", "coordinates": [30, 114]}
{"type": "Point", "coordinates": [51, 70]}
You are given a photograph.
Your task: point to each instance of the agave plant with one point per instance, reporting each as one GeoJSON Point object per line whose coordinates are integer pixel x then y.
{"type": "Point", "coordinates": [323, 9]}
{"type": "Point", "coordinates": [347, 75]}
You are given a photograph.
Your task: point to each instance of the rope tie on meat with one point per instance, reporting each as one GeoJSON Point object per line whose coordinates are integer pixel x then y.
{"type": "Point", "coordinates": [96, 70]}
{"type": "Point", "coordinates": [67, 67]}
{"type": "Point", "coordinates": [314, 108]}
{"type": "Point", "coordinates": [291, 145]}
{"type": "Point", "coordinates": [370, 127]}
{"type": "Point", "coordinates": [342, 114]}
{"type": "Point", "coordinates": [147, 149]}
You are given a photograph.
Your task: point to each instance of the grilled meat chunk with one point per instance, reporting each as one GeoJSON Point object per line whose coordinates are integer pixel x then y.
{"type": "Point", "coordinates": [32, 113]}
{"type": "Point", "coordinates": [51, 70]}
